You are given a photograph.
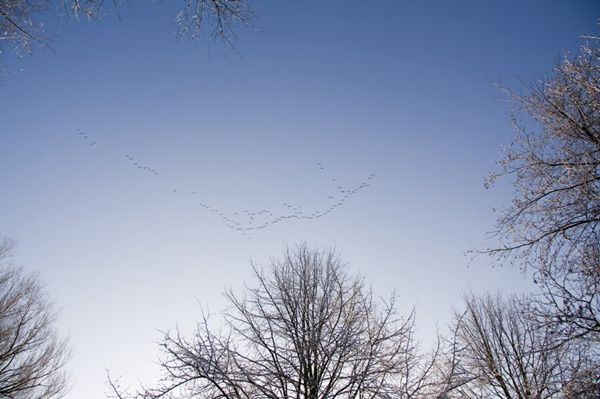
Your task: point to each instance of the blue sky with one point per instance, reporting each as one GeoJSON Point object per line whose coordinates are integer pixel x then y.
{"type": "Point", "coordinates": [395, 94]}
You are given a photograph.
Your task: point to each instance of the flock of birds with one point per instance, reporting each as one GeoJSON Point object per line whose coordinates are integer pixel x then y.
{"type": "Point", "coordinates": [248, 220]}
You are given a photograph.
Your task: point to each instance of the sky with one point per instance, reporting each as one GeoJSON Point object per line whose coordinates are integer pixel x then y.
{"type": "Point", "coordinates": [142, 174]}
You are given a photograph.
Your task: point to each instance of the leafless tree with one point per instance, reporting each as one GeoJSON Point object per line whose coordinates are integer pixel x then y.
{"type": "Point", "coordinates": [585, 384]}
{"type": "Point", "coordinates": [32, 357]}
{"type": "Point", "coordinates": [24, 23]}
{"type": "Point", "coordinates": [307, 329]}
{"type": "Point", "coordinates": [502, 353]}
{"type": "Point", "coordinates": [552, 226]}
{"type": "Point", "coordinates": [224, 18]}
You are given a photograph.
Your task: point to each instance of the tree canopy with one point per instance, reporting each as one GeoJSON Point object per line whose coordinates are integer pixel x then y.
{"type": "Point", "coordinates": [24, 24]}
{"type": "Point", "coordinates": [499, 352]}
{"type": "Point", "coordinates": [553, 224]}
{"type": "Point", "coordinates": [32, 355]}
{"type": "Point", "coordinates": [305, 329]}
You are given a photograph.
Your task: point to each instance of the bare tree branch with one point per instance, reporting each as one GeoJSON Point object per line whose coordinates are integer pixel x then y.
{"type": "Point", "coordinates": [553, 224]}
{"type": "Point", "coordinates": [499, 351]}
{"type": "Point", "coordinates": [306, 329]}
{"type": "Point", "coordinates": [24, 23]}
{"type": "Point", "coordinates": [32, 357]}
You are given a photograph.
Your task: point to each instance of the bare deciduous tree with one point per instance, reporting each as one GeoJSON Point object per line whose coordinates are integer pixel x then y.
{"type": "Point", "coordinates": [553, 225]}
{"type": "Point", "coordinates": [307, 329]}
{"type": "Point", "coordinates": [24, 23]}
{"type": "Point", "coordinates": [32, 357]}
{"type": "Point", "coordinates": [502, 353]}
{"type": "Point", "coordinates": [585, 384]}
{"type": "Point", "coordinates": [224, 17]}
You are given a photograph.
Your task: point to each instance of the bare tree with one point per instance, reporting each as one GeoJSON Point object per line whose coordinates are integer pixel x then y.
{"type": "Point", "coordinates": [553, 224]}
{"type": "Point", "coordinates": [307, 329]}
{"type": "Point", "coordinates": [32, 357]}
{"type": "Point", "coordinates": [585, 384]}
{"type": "Point", "coordinates": [501, 353]}
{"type": "Point", "coordinates": [223, 18]}
{"type": "Point", "coordinates": [24, 23]}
